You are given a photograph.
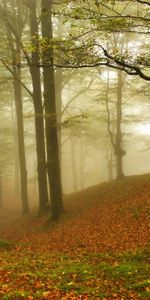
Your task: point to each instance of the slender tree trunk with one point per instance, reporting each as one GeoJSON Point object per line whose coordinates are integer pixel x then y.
{"type": "Point", "coordinates": [1, 202]}
{"type": "Point", "coordinates": [37, 101]}
{"type": "Point", "coordinates": [73, 163]}
{"type": "Point", "coordinates": [117, 141]}
{"type": "Point", "coordinates": [59, 85]}
{"type": "Point", "coordinates": [109, 156]}
{"type": "Point", "coordinates": [53, 167]}
{"type": "Point", "coordinates": [17, 175]}
{"type": "Point", "coordinates": [16, 58]}
{"type": "Point", "coordinates": [119, 151]}
{"type": "Point", "coordinates": [15, 142]}
{"type": "Point", "coordinates": [21, 145]}
{"type": "Point", "coordinates": [110, 132]}
{"type": "Point", "coordinates": [81, 165]}
{"type": "Point", "coordinates": [58, 81]}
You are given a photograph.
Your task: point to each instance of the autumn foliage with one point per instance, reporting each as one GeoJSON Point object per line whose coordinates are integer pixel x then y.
{"type": "Point", "coordinates": [94, 251]}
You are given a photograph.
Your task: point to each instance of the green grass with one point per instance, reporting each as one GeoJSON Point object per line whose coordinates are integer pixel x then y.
{"type": "Point", "coordinates": [98, 275]}
{"type": "Point", "coordinates": [4, 244]}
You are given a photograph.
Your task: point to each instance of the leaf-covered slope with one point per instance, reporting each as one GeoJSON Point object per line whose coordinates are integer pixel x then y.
{"type": "Point", "coordinates": [109, 216]}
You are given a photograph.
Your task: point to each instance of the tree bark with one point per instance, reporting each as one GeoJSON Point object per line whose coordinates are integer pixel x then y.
{"type": "Point", "coordinates": [109, 157]}
{"type": "Point", "coordinates": [82, 156]}
{"type": "Point", "coordinates": [119, 152]}
{"type": "Point", "coordinates": [15, 51]}
{"type": "Point", "coordinates": [73, 163]}
{"type": "Point", "coordinates": [15, 143]}
{"type": "Point", "coordinates": [116, 141]}
{"type": "Point", "coordinates": [53, 167]}
{"type": "Point", "coordinates": [1, 202]}
{"type": "Point", "coordinates": [21, 145]}
{"type": "Point", "coordinates": [58, 82]}
{"type": "Point", "coordinates": [37, 101]}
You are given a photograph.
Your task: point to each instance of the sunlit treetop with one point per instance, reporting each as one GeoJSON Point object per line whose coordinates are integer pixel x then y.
{"type": "Point", "coordinates": [94, 33]}
{"type": "Point", "coordinates": [112, 33]}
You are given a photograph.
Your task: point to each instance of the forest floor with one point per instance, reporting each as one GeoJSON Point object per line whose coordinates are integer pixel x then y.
{"type": "Point", "coordinates": [99, 249]}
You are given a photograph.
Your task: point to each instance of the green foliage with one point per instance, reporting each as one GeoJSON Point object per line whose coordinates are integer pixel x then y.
{"type": "Point", "coordinates": [4, 244]}
{"type": "Point", "coordinates": [99, 275]}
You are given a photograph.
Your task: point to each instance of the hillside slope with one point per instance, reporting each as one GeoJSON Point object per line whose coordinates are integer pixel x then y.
{"type": "Point", "coordinates": [109, 216]}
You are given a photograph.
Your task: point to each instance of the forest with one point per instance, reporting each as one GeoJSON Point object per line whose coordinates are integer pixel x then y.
{"type": "Point", "coordinates": [75, 149]}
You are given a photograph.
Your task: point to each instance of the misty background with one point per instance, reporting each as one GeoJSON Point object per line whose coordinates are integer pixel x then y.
{"type": "Point", "coordinates": [88, 100]}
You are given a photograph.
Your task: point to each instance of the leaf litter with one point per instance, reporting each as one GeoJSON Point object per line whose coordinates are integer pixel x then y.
{"type": "Point", "coordinates": [98, 250]}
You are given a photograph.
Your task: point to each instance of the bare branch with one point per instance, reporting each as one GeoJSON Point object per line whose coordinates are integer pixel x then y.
{"type": "Point", "coordinates": [127, 67]}
{"type": "Point", "coordinates": [143, 2]}
{"type": "Point", "coordinates": [13, 73]}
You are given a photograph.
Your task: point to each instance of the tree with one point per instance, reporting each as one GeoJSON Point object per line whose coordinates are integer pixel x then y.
{"type": "Point", "coordinates": [6, 136]}
{"type": "Point", "coordinates": [36, 94]}
{"type": "Point", "coordinates": [81, 49]}
{"type": "Point", "coordinates": [15, 52]}
{"type": "Point", "coordinates": [77, 48]}
{"type": "Point", "coordinates": [49, 98]}
{"type": "Point", "coordinates": [53, 167]}
{"type": "Point", "coordinates": [90, 51]}
{"type": "Point", "coordinates": [1, 203]}
{"type": "Point", "coordinates": [38, 108]}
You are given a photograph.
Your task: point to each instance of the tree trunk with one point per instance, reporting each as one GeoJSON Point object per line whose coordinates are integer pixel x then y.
{"type": "Point", "coordinates": [118, 149]}
{"type": "Point", "coordinates": [1, 202]}
{"type": "Point", "coordinates": [15, 143]}
{"type": "Point", "coordinates": [58, 82]}
{"type": "Point", "coordinates": [37, 101]}
{"type": "Point", "coordinates": [117, 141]}
{"type": "Point", "coordinates": [82, 157]}
{"type": "Point", "coordinates": [109, 157]}
{"type": "Point", "coordinates": [16, 58]}
{"type": "Point", "coordinates": [21, 146]}
{"type": "Point", "coordinates": [53, 167]}
{"type": "Point", "coordinates": [73, 163]}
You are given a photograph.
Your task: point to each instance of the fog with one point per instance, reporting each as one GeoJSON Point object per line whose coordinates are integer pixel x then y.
{"type": "Point", "coordinates": [74, 98]}
{"type": "Point", "coordinates": [74, 135]}
{"type": "Point", "coordinates": [87, 155]}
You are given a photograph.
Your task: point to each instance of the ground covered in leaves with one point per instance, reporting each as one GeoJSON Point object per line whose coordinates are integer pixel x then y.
{"type": "Point", "coordinates": [98, 250]}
